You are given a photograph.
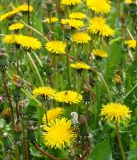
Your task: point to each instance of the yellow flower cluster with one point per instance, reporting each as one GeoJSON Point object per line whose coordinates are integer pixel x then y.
{"type": "Point", "coordinates": [131, 43]}
{"type": "Point", "coordinates": [100, 53]}
{"type": "Point", "coordinates": [46, 91]}
{"type": "Point", "coordinates": [59, 133]}
{"type": "Point", "coordinates": [99, 25]}
{"type": "Point", "coordinates": [70, 97]}
{"type": "Point", "coordinates": [57, 47]}
{"type": "Point", "coordinates": [81, 37]}
{"type": "Point", "coordinates": [51, 20]}
{"type": "Point", "coordinates": [22, 8]}
{"type": "Point", "coordinates": [16, 26]}
{"type": "Point", "coordinates": [24, 41]}
{"type": "Point", "coordinates": [73, 23]}
{"type": "Point", "coordinates": [70, 2]}
{"type": "Point", "coordinates": [80, 65]}
{"type": "Point", "coordinates": [77, 15]}
{"type": "Point", "coordinates": [99, 6]}
{"type": "Point", "coordinates": [52, 114]}
{"type": "Point", "coordinates": [115, 112]}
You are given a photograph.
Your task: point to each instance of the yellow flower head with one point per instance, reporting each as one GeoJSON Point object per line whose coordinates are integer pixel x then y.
{"type": "Point", "coordinates": [80, 65]}
{"type": "Point", "coordinates": [15, 11]}
{"type": "Point", "coordinates": [70, 2]}
{"type": "Point", "coordinates": [131, 43]}
{"type": "Point", "coordinates": [98, 25]}
{"type": "Point", "coordinates": [47, 91]}
{"type": "Point", "coordinates": [81, 37]}
{"type": "Point", "coordinates": [28, 42]}
{"type": "Point", "coordinates": [115, 112]}
{"type": "Point", "coordinates": [59, 134]}
{"type": "Point", "coordinates": [73, 23]}
{"type": "Point", "coordinates": [99, 6]}
{"type": "Point", "coordinates": [100, 53]}
{"type": "Point", "coordinates": [68, 97]}
{"type": "Point", "coordinates": [57, 47]}
{"type": "Point", "coordinates": [52, 114]}
{"type": "Point", "coordinates": [24, 41]}
{"type": "Point", "coordinates": [51, 20]}
{"type": "Point", "coordinates": [25, 8]}
{"type": "Point", "coordinates": [8, 15]}
{"type": "Point", "coordinates": [130, 1]}
{"type": "Point", "coordinates": [77, 15]}
{"type": "Point", "coordinates": [10, 39]}
{"type": "Point", "coordinates": [16, 26]}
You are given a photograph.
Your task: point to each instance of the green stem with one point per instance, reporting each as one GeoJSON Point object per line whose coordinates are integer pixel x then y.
{"type": "Point", "coordinates": [35, 30]}
{"type": "Point", "coordinates": [26, 92]}
{"type": "Point", "coordinates": [54, 70]}
{"type": "Point", "coordinates": [28, 69]}
{"type": "Point", "coordinates": [68, 70]}
{"type": "Point", "coordinates": [36, 69]}
{"type": "Point", "coordinates": [40, 114]}
{"type": "Point", "coordinates": [105, 84]}
{"type": "Point", "coordinates": [120, 142]}
{"type": "Point", "coordinates": [24, 141]}
{"type": "Point", "coordinates": [9, 99]}
{"type": "Point", "coordinates": [129, 92]}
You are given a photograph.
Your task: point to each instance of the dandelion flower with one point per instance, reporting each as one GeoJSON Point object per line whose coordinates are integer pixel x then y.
{"type": "Point", "coordinates": [100, 53]}
{"type": "Point", "coordinates": [47, 91]}
{"type": "Point", "coordinates": [77, 15]}
{"type": "Point", "coordinates": [52, 114]}
{"type": "Point", "coordinates": [51, 20]}
{"type": "Point", "coordinates": [70, 2]}
{"type": "Point", "coordinates": [98, 25]}
{"type": "Point", "coordinates": [8, 15]}
{"type": "Point", "coordinates": [99, 6]}
{"type": "Point", "coordinates": [81, 37]}
{"type": "Point", "coordinates": [21, 8]}
{"type": "Point", "coordinates": [25, 8]}
{"type": "Point", "coordinates": [57, 47]}
{"type": "Point", "coordinates": [24, 41]}
{"type": "Point", "coordinates": [73, 23]}
{"type": "Point", "coordinates": [130, 1]}
{"type": "Point", "coordinates": [10, 39]}
{"type": "Point", "coordinates": [59, 134]}
{"type": "Point", "coordinates": [16, 26]}
{"type": "Point", "coordinates": [68, 97]}
{"type": "Point", "coordinates": [80, 65]}
{"type": "Point", "coordinates": [131, 43]}
{"type": "Point", "coordinates": [115, 112]}
{"type": "Point", "coordinates": [28, 42]}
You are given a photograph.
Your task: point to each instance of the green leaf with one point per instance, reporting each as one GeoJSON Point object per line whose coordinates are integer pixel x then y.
{"type": "Point", "coordinates": [102, 151]}
{"type": "Point", "coordinates": [114, 61]}
{"type": "Point", "coordinates": [115, 40]}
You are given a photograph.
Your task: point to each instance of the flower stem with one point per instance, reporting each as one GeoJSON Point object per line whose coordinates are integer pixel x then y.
{"type": "Point", "coordinates": [43, 152]}
{"type": "Point", "coordinates": [35, 30]}
{"type": "Point", "coordinates": [105, 84]}
{"type": "Point", "coordinates": [25, 141]}
{"type": "Point", "coordinates": [9, 99]}
{"type": "Point", "coordinates": [132, 89]}
{"type": "Point", "coordinates": [36, 69]}
{"type": "Point", "coordinates": [120, 142]}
